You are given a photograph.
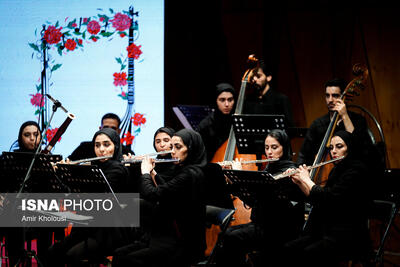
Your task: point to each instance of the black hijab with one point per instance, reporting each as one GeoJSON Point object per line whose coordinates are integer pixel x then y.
{"type": "Point", "coordinates": [113, 135]}
{"type": "Point", "coordinates": [285, 162]}
{"type": "Point", "coordinates": [196, 150]}
{"type": "Point", "coordinates": [166, 130]}
{"type": "Point", "coordinates": [21, 145]}
{"type": "Point", "coordinates": [348, 139]}
{"type": "Point", "coordinates": [284, 140]}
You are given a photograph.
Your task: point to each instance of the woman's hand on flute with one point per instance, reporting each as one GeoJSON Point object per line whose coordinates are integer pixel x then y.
{"type": "Point", "coordinates": [147, 165]}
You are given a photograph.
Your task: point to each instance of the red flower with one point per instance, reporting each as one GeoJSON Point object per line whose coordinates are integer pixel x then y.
{"type": "Point", "coordinates": [120, 79]}
{"type": "Point", "coordinates": [128, 138]}
{"type": "Point", "coordinates": [134, 51]}
{"type": "Point", "coordinates": [93, 27]}
{"type": "Point", "coordinates": [70, 44]}
{"type": "Point", "coordinates": [37, 100]}
{"type": "Point", "coordinates": [52, 35]}
{"type": "Point", "coordinates": [121, 22]}
{"type": "Point", "coordinates": [50, 134]}
{"type": "Point", "coordinates": [101, 19]}
{"type": "Point", "coordinates": [123, 94]}
{"type": "Point", "coordinates": [85, 20]}
{"type": "Point", "coordinates": [122, 35]}
{"type": "Point", "coordinates": [74, 25]}
{"type": "Point", "coordinates": [138, 119]}
{"type": "Point", "coordinates": [80, 41]}
{"type": "Point", "coordinates": [94, 39]}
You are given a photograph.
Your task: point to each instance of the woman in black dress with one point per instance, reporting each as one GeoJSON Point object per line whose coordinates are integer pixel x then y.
{"type": "Point", "coordinates": [96, 243]}
{"type": "Point", "coordinates": [337, 226]}
{"type": "Point", "coordinates": [275, 219]}
{"type": "Point", "coordinates": [177, 235]}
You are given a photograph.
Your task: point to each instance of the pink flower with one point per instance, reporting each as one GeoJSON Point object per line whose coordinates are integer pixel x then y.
{"type": "Point", "coordinates": [120, 79]}
{"type": "Point", "coordinates": [52, 35]}
{"type": "Point", "coordinates": [37, 100]}
{"type": "Point", "coordinates": [101, 19]}
{"type": "Point", "coordinates": [93, 27]}
{"type": "Point", "coordinates": [74, 25]}
{"type": "Point", "coordinates": [121, 22]}
{"type": "Point", "coordinates": [85, 20]}
{"type": "Point", "coordinates": [123, 93]}
{"type": "Point", "coordinates": [70, 44]}
{"type": "Point", "coordinates": [138, 119]}
{"type": "Point", "coordinates": [134, 51]}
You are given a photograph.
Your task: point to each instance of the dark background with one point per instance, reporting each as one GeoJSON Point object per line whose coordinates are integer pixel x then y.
{"type": "Point", "coordinates": [305, 42]}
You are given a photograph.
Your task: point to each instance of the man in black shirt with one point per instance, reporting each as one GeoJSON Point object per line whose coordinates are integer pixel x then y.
{"type": "Point", "coordinates": [349, 121]}
{"type": "Point", "coordinates": [85, 149]}
{"type": "Point", "coordinates": [265, 100]}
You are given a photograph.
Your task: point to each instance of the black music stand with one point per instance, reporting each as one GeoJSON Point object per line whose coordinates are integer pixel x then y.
{"type": "Point", "coordinates": [191, 115]}
{"type": "Point", "coordinates": [251, 130]}
{"type": "Point", "coordinates": [83, 178]}
{"type": "Point", "coordinates": [252, 185]}
{"type": "Point", "coordinates": [14, 167]}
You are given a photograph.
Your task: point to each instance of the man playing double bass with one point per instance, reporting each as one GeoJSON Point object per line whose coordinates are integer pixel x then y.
{"type": "Point", "coordinates": [349, 121]}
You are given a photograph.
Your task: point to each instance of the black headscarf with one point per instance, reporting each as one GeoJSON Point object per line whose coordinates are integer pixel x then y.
{"type": "Point", "coordinates": [284, 140]}
{"type": "Point", "coordinates": [285, 161]}
{"type": "Point", "coordinates": [224, 87]}
{"type": "Point", "coordinates": [350, 142]}
{"type": "Point", "coordinates": [21, 145]}
{"type": "Point", "coordinates": [166, 130]}
{"type": "Point", "coordinates": [113, 135]}
{"type": "Point", "coordinates": [196, 150]}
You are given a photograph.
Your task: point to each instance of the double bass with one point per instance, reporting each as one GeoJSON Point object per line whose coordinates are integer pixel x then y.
{"type": "Point", "coordinates": [320, 175]}
{"type": "Point", "coordinates": [227, 153]}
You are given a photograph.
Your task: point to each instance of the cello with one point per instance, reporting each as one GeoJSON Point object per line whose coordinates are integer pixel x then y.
{"type": "Point", "coordinates": [320, 175]}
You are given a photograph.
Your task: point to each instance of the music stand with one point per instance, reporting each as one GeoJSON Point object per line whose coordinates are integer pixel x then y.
{"type": "Point", "coordinates": [14, 166]}
{"type": "Point", "coordinates": [42, 178]}
{"type": "Point", "coordinates": [83, 178]}
{"type": "Point", "coordinates": [191, 115]}
{"type": "Point", "coordinates": [251, 130]}
{"type": "Point", "coordinates": [252, 185]}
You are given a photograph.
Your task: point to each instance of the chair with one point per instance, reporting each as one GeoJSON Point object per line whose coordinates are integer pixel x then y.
{"type": "Point", "coordinates": [221, 217]}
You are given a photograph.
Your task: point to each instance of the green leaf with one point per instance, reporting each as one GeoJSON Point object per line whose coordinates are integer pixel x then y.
{"type": "Point", "coordinates": [38, 87]}
{"type": "Point", "coordinates": [37, 112]}
{"type": "Point", "coordinates": [84, 35]}
{"type": "Point", "coordinates": [77, 33]}
{"type": "Point", "coordinates": [137, 130]}
{"type": "Point", "coordinates": [55, 67]}
{"type": "Point", "coordinates": [123, 67]}
{"type": "Point", "coordinates": [106, 18]}
{"type": "Point", "coordinates": [67, 33]}
{"type": "Point", "coordinates": [118, 60]}
{"type": "Point", "coordinates": [111, 10]}
{"type": "Point", "coordinates": [59, 51]}
{"type": "Point", "coordinates": [106, 34]}
{"type": "Point", "coordinates": [56, 24]}
{"type": "Point", "coordinates": [35, 47]}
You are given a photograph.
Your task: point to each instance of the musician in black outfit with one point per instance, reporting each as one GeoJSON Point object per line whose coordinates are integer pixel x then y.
{"type": "Point", "coordinates": [264, 99]}
{"type": "Point", "coordinates": [275, 218]}
{"type": "Point", "coordinates": [214, 129]}
{"type": "Point", "coordinates": [349, 121]}
{"type": "Point", "coordinates": [95, 243]}
{"type": "Point", "coordinates": [337, 226]}
{"type": "Point", "coordinates": [178, 225]}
